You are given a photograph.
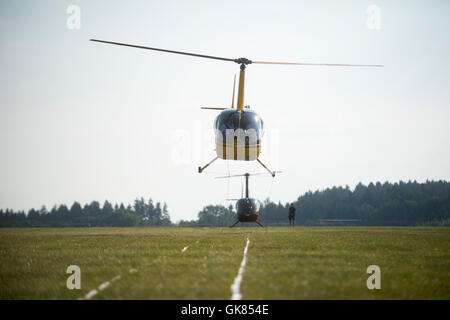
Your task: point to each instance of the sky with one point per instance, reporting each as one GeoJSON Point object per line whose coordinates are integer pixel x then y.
{"type": "Point", "coordinates": [83, 121]}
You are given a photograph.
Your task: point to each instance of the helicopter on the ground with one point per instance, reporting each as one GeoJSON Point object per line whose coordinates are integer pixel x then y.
{"type": "Point", "coordinates": [238, 131]}
{"type": "Point", "coordinates": [247, 209]}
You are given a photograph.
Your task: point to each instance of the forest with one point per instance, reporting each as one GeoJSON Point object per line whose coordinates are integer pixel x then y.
{"type": "Point", "coordinates": [142, 213]}
{"type": "Point", "coordinates": [377, 204]}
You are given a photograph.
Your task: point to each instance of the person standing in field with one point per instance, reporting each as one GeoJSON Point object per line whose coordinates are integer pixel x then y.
{"type": "Point", "coordinates": [292, 215]}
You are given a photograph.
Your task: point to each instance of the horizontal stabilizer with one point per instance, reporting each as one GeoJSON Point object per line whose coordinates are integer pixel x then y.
{"type": "Point", "coordinates": [212, 108]}
{"type": "Point", "coordinates": [243, 175]}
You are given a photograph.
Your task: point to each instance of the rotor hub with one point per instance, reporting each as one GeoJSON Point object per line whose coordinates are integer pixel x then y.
{"type": "Point", "coordinates": [243, 62]}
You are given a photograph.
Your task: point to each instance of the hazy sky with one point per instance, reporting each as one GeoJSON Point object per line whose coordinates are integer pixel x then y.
{"type": "Point", "coordinates": [87, 121]}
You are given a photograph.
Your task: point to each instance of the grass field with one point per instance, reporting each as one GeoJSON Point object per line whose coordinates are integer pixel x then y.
{"type": "Point", "coordinates": [282, 262]}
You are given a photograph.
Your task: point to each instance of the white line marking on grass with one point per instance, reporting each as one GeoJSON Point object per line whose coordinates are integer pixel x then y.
{"type": "Point", "coordinates": [133, 270]}
{"type": "Point", "coordinates": [115, 278]}
{"type": "Point", "coordinates": [104, 285]}
{"type": "Point", "coordinates": [91, 294]}
{"type": "Point", "coordinates": [101, 287]}
{"type": "Point", "coordinates": [187, 247]}
{"type": "Point", "coordinates": [236, 286]}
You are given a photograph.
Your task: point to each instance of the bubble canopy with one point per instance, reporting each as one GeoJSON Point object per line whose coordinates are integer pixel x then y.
{"type": "Point", "coordinates": [229, 119]}
{"type": "Point", "coordinates": [247, 209]}
{"type": "Point", "coordinates": [247, 206]}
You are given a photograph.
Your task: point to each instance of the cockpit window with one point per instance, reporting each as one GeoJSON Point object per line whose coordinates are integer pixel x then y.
{"type": "Point", "coordinates": [229, 119]}
{"type": "Point", "coordinates": [247, 206]}
{"type": "Point", "coordinates": [250, 121]}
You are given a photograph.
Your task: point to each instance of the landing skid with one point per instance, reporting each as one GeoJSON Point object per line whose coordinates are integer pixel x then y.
{"type": "Point", "coordinates": [272, 173]}
{"type": "Point", "coordinates": [259, 223]}
{"type": "Point", "coordinates": [200, 169]}
{"type": "Point", "coordinates": [234, 224]}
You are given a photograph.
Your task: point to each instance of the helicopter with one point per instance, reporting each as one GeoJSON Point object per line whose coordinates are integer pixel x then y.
{"type": "Point", "coordinates": [238, 131]}
{"type": "Point", "coordinates": [247, 209]}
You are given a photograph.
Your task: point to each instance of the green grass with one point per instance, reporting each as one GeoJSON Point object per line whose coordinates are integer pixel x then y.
{"type": "Point", "coordinates": [282, 263]}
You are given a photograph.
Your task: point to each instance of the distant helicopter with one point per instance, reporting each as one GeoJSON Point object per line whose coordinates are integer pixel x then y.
{"type": "Point", "coordinates": [238, 131]}
{"type": "Point", "coordinates": [247, 209]}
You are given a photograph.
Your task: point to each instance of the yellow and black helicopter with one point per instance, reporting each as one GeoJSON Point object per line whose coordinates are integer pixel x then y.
{"type": "Point", "coordinates": [238, 131]}
{"type": "Point", "coordinates": [247, 209]}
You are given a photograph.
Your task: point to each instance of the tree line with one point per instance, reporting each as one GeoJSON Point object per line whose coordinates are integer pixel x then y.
{"type": "Point", "coordinates": [142, 213]}
{"type": "Point", "coordinates": [388, 204]}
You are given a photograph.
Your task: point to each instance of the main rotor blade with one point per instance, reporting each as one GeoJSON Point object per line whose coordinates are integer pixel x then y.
{"type": "Point", "coordinates": [240, 60]}
{"type": "Point", "coordinates": [163, 50]}
{"type": "Point", "coordinates": [264, 173]}
{"type": "Point", "coordinates": [318, 64]}
{"type": "Point", "coordinates": [232, 176]}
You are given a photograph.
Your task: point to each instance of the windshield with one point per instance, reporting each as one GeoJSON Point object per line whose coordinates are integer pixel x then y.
{"type": "Point", "coordinates": [229, 119]}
